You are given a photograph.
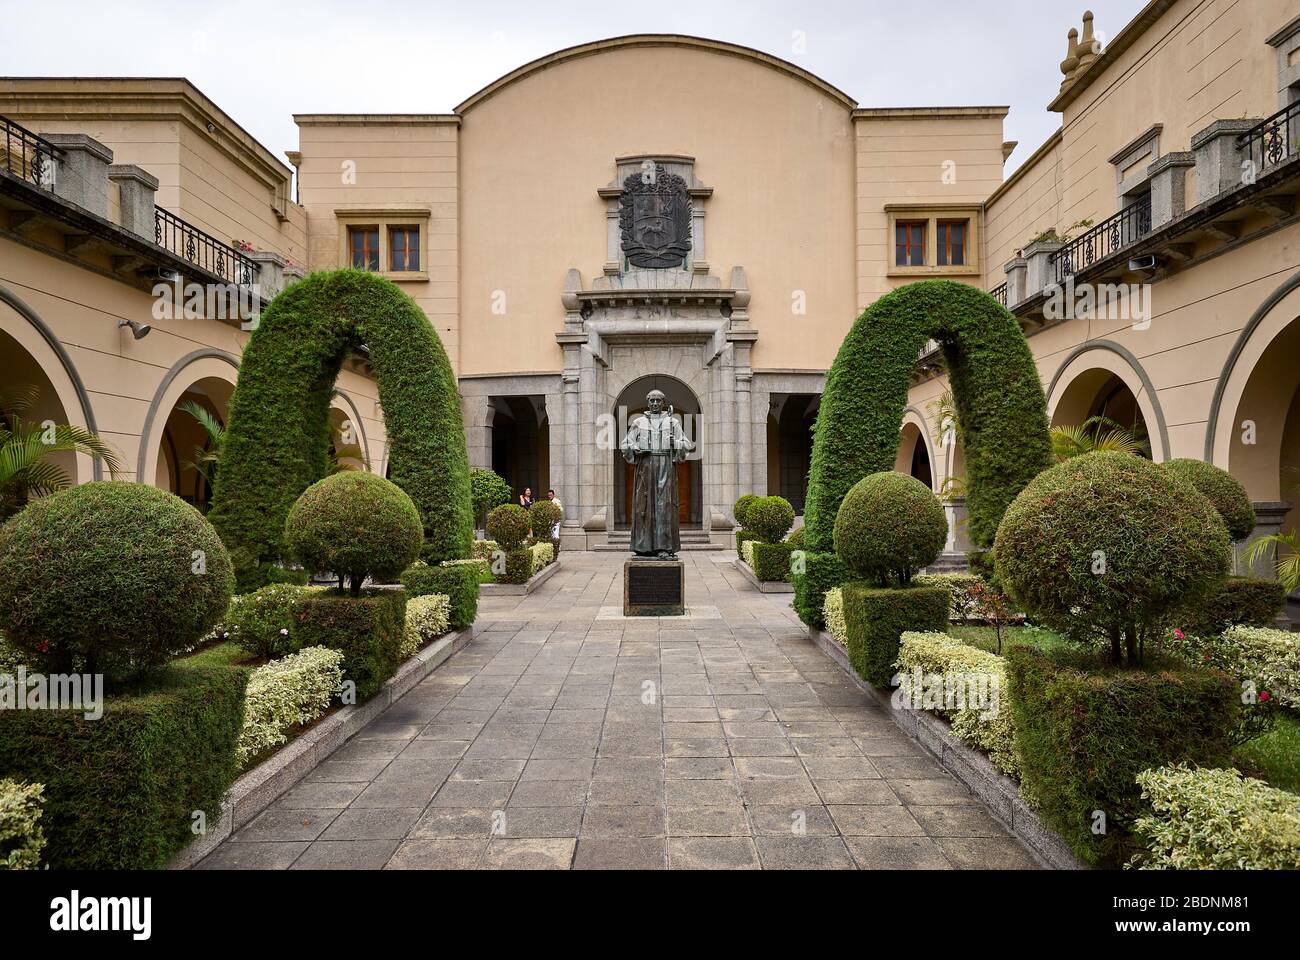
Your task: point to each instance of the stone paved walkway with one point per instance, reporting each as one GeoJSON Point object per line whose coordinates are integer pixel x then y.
{"type": "Point", "coordinates": [535, 747]}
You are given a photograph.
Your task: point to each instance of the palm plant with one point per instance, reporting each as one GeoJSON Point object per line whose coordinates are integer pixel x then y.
{"type": "Point", "coordinates": [206, 458]}
{"type": "Point", "coordinates": [1288, 565]}
{"type": "Point", "coordinates": [947, 431]}
{"type": "Point", "coordinates": [26, 469]}
{"type": "Point", "coordinates": [1098, 434]}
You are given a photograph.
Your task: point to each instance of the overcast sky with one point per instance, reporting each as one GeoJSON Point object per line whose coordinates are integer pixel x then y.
{"type": "Point", "coordinates": [264, 61]}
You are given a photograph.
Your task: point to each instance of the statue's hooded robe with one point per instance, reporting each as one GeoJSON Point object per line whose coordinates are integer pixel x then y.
{"type": "Point", "coordinates": [655, 443]}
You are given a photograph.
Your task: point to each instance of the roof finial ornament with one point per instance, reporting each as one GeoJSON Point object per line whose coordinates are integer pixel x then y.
{"type": "Point", "coordinates": [1071, 62]}
{"type": "Point", "coordinates": [1089, 46]}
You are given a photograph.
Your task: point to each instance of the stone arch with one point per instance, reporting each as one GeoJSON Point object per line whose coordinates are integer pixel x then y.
{"type": "Point", "coordinates": [39, 342]}
{"type": "Point", "coordinates": [914, 445]}
{"type": "Point", "coordinates": [344, 404]}
{"type": "Point", "coordinates": [277, 441]}
{"type": "Point", "coordinates": [1085, 371]}
{"type": "Point", "coordinates": [1258, 383]}
{"type": "Point", "coordinates": [204, 364]}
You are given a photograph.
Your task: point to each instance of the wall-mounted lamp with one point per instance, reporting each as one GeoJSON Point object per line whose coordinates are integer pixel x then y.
{"type": "Point", "coordinates": [138, 330]}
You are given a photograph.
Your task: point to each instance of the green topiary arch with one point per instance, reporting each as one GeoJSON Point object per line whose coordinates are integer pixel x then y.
{"type": "Point", "coordinates": [278, 440]}
{"type": "Point", "coordinates": [1001, 409]}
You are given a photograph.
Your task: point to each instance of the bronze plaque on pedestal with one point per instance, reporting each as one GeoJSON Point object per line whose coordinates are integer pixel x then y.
{"type": "Point", "coordinates": [654, 588]}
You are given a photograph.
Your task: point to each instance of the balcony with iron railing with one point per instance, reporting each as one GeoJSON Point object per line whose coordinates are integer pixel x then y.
{"type": "Point", "coordinates": [999, 293]}
{"type": "Point", "coordinates": [203, 250]}
{"type": "Point", "coordinates": [1109, 237]}
{"type": "Point", "coordinates": [1273, 141]}
{"type": "Point", "coordinates": [28, 155]}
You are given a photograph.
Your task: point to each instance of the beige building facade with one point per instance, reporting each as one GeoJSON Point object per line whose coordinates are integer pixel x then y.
{"type": "Point", "coordinates": [577, 241]}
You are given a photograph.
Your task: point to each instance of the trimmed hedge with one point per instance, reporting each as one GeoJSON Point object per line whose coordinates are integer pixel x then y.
{"type": "Point", "coordinates": [120, 791]}
{"type": "Point", "coordinates": [988, 727]}
{"type": "Point", "coordinates": [875, 619]}
{"type": "Point", "coordinates": [744, 535]}
{"type": "Point", "coordinates": [508, 526]}
{"type": "Point", "coordinates": [110, 577]}
{"type": "Point", "coordinates": [772, 561]}
{"type": "Point", "coordinates": [543, 516]}
{"type": "Point", "coordinates": [995, 385]}
{"type": "Point", "coordinates": [1268, 659]}
{"type": "Point", "coordinates": [771, 518]}
{"type": "Point", "coordinates": [287, 693]}
{"type": "Point", "coordinates": [1247, 601]}
{"type": "Point", "coordinates": [21, 836]}
{"type": "Point", "coordinates": [519, 566]}
{"type": "Point", "coordinates": [822, 571]}
{"type": "Point", "coordinates": [368, 630]}
{"type": "Point", "coordinates": [888, 527]}
{"type": "Point", "coordinates": [354, 524]}
{"type": "Point", "coordinates": [457, 582]}
{"type": "Point", "coordinates": [1109, 548]}
{"type": "Point", "coordinates": [1215, 820]}
{"type": "Point", "coordinates": [1223, 490]}
{"type": "Point", "coordinates": [278, 438]}
{"type": "Point", "coordinates": [1084, 733]}
{"type": "Point", "coordinates": [796, 539]}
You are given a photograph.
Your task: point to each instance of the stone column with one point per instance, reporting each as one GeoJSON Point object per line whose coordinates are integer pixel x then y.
{"type": "Point", "coordinates": [1169, 187]}
{"type": "Point", "coordinates": [1017, 271]}
{"type": "Point", "coordinates": [1269, 518]}
{"type": "Point", "coordinates": [82, 177]}
{"type": "Point", "coordinates": [478, 413]}
{"type": "Point", "coordinates": [1040, 272]}
{"type": "Point", "coordinates": [1218, 161]}
{"type": "Point", "coordinates": [136, 188]}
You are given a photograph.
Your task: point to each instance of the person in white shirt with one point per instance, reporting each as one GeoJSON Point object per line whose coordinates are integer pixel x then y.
{"type": "Point", "coordinates": [555, 530]}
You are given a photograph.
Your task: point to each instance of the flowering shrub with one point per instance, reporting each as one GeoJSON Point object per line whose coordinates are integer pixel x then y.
{"type": "Point", "coordinates": [287, 693]}
{"type": "Point", "coordinates": [1269, 659]}
{"type": "Point", "coordinates": [543, 553]}
{"type": "Point", "coordinates": [1216, 820]}
{"type": "Point", "coordinates": [833, 611]}
{"type": "Point", "coordinates": [426, 620]}
{"type": "Point", "coordinates": [260, 621]}
{"type": "Point", "coordinates": [21, 836]}
{"type": "Point", "coordinates": [987, 727]}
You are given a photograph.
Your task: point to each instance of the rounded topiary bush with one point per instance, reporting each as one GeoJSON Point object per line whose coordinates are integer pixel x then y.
{"type": "Point", "coordinates": [796, 539]}
{"type": "Point", "coordinates": [110, 577]}
{"type": "Point", "coordinates": [1107, 547]}
{"type": "Point", "coordinates": [1223, 490]}
{"type": "Point", "coordinates": [888, 527]}
{"type": "Point", "coordinates": [770, 517]}
{"type": "Point", "coordinates": [741, 510]}
{"type": "Point", "coordinates": [508, 526]}
{"type": "Point", "coordinates": [543, 516]}
{"type": "Point", "coordinates": [355, 524]}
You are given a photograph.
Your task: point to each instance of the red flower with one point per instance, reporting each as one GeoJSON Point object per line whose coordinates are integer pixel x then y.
{"type": "Point", "coordinates": [1179, 634]}
{"type": "Point", "coordinates": [43, 647]}
{"type": "Point", "coordinates": [1264, 696]}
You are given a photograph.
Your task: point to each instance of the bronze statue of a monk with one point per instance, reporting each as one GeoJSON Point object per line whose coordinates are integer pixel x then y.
{"type": "Point", "coordinates": [655, 443]}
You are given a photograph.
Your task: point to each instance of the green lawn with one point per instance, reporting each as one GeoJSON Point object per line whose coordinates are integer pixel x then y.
{"type": "Point", "coordinates": [1274, 757]}
{"type": "Point", "coordinates": [221, 655]}
{"type": "Point", "coordinates": [986, 637]}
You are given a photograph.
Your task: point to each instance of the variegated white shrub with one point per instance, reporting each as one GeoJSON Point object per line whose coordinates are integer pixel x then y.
{"type": "Point", "coordinates": [543, 553]}
{"type": "Point", "coordinates": [21, 806]}
{"type": "Point", "coordinates": [747, 553]}
{"type": "Point", "coordinates": [426, 619]}
{"type": "Point", "coordinates": [833, 612]}
{"type": "Point", "coordinates": [287, 693]}
{"type": "Point", "coordinates": [989, 730]}
{"type": "Point", "coordinates": [1216, 820]}
{"type": "Point", "coordinates": [1269, 659]}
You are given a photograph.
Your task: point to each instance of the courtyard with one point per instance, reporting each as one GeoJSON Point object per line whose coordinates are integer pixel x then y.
{"type": "Point", "coordinates": [566, 736]}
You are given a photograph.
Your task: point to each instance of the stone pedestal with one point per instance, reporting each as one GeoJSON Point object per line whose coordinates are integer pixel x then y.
{"type": "Point", "coordinates": [654, 588]}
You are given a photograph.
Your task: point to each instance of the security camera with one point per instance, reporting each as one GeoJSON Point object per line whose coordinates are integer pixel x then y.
{"type": "Point", "coordinates": [1145, 264]}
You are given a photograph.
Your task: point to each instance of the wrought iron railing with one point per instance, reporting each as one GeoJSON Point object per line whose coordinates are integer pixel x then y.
{"type": "Point", "coordinates": [1274, 141]}
{"type": "Point", "coordinates": [204, 251]}
{"type": "Point", "coordinates": [999, 294]}
{"type": "Point", "coordinates": [1110, 236]}
{"type": "Point", "coordinates": [28, 155]}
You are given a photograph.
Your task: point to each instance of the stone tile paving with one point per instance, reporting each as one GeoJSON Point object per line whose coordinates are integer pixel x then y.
{"type": "Point", "coordinates": [566, 737]}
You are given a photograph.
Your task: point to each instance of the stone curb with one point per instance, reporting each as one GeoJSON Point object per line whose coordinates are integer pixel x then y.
{"type": "Point", "coordinates": [762, 586]}
{"type": "Point", "coordinates": [996, 790]}
{"type": "Point", "coordinates": [520, 589]}
{"type": "Point", "coordinates": [264, 784]}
